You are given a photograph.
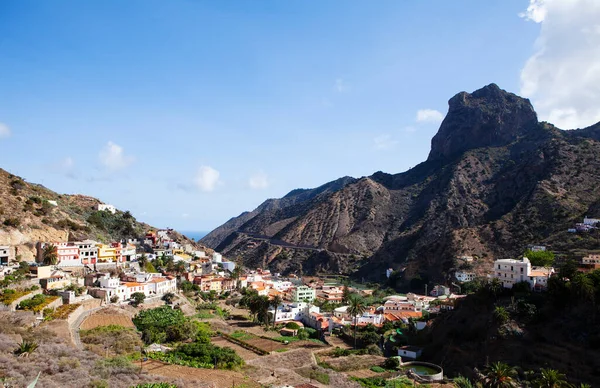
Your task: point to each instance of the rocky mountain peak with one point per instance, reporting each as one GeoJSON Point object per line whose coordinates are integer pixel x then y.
{"type": "Point", "coordinates": [487, 117]}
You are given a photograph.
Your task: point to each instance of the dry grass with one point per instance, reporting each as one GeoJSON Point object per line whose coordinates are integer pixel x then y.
{"type": "Point", "coordinates": [200, 378]}
{"type": "Point", "coordinates": [353, 363]}
{"type": "Point", "coordinates": [102, 319]}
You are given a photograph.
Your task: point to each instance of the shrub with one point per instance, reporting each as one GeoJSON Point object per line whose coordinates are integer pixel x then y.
{"type": "Point", "coordinates": [37, 303]}
{"type": "Point", "coordinates": [501, 315]}
{"type": "Point", "coordinates": [137, 298]}
{"type": "Point", "coordinates": [12, 222]}
{"type": "Point", "coordinates": [391, 363]}
{"type": "Point", "coordinates": [292, 326]}
{"type": "Point", "coordinates": [377, 369]}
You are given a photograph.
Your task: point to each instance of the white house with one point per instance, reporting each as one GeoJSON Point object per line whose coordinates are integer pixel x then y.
{"type": "Point", "coordinates": [303, 293]}
{"type": "Point", "coordinates": [106, 207]}
{"type": "Point", "coordinates": [4, 254]}
{"type": "Point", "coordinates": [293, 311]}
{"type": "Point", "coordinates": [464, 277]}
{"type": "Point", "coordinates": [53, 203]}
{"type": "Point", "coordinates": [162, 285]}
{"type": "Point", "coordinates": [410, 352]}
{"type": "Point", "coordinates": [217, 257]}
{"type": "Point", "coordinates": [590, 221]}
{"type": "Point", "coordinates": [228, 265]}
{"type": "Point", "coordinates": [510, 271]}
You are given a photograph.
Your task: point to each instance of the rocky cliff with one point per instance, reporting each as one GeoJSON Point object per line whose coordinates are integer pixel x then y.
{"type": "Point", "coordinates": [30, 213]}
{"type": "Point", "coordinates": [495, 180]}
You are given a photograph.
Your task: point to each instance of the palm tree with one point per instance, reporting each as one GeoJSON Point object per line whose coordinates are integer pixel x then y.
{"type": "Point", "coordinates": [275, 302]}
{"type": "Point", "coordinates": [235, 275]}
{"type": "Point", "coordinates": [551, 378]}
{"type": "Point", "coordinates": [356, 308]}
{"type": "Point", "coordinates": [462, 382]}
{"type": "Point", "coordinates": [500, 375]}
{"type": "Point", "coordinates": [50, 255]}
{"type": "Point", "coordinates": [179, 267]}
{"type": "Point", "coordinates": [25, 348]}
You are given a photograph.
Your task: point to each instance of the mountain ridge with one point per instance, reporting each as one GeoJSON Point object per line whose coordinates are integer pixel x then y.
{"type": "Point", "coordinates": [495, 180]}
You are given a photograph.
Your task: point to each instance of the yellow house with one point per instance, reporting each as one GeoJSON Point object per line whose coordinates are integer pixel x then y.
{"type": "Point", "coordinates": [216, 284]}
{"type": "Point", "coordinates": [107, 254]}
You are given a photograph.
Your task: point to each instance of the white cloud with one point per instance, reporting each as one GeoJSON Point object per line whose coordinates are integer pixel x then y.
{"type": "Point", "coordinates": [258, 180]}
{"type": "Point", "coordinates": [562, 77]}
{"type": "Point", "coordinates": [185, 215]}
{"type": "Point", "coordinates": [206, 178]}
{"type": "Point", "coordinates": [535, 12]}
{"type": "Point", "coordinates": [384, 142]}
{"type": "Point", "coordinates": [341, 86]}
{"type": "Point", "coordinates": [113, 157]}
{"type": "Point", "coordinates": [429, 116]}
{"type": "Point", "coordinates": [67, 163]}
{"type": "Point", "coordinates": [4, 131]}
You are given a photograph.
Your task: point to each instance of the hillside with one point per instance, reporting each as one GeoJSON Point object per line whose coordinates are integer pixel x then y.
{"type": "Point", "coordinates": [495, 180]}
{"type": "Point", "coordinates": [27, 217]}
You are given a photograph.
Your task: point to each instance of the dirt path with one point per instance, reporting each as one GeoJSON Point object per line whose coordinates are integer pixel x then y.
{"type": "Point", "coordinates": [214, 377]}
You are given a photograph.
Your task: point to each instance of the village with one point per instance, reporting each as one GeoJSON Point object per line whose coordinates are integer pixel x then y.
{"type": "Point", "coordinates": [253, 311]}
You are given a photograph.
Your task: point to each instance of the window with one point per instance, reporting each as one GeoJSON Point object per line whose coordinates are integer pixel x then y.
{"type": "Point", "coordinates": [521, 269]}
{"type": "Point", "coordinates": [511, 268]}
{"type": "Point", "coordinates": [498, 266]}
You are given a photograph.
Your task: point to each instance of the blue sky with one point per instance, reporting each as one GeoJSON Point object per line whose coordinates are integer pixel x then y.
{"type": "Point", "coordinates": [187, 113]}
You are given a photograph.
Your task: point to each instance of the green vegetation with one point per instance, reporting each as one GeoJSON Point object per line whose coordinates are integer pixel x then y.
{"type": "Point", "coordinates": [50, 255]}
{"type": "Point", "coordinates": [201, 354]}
{"type": "Point", "coordinates": [315, 374]}
{"type": "Point", "coordinates": [61, 312]}
{"type": "Point", "coordinates": [377, 369]}
{"type": "Point", "coordinates": [380, 382]}
{"type": "Point", "coordinates": [164, 324]}
{"type": "Point", "coordinates": [540, 258]}
{"type": "Point", "coordinates": [356, 307]}
{"type": "Point", "coordinates": [9, 295]}
{"type": "Point", "coordinates": [242, 335]}
{"type": "Point", "coordinates": [25, 348]}
{"type": "Point", "coordinates": [137, 298]}
{"type": "Point", "coordinates": [37, 303]}
{"type": "Point", "coordinates": [12, 222]}
{"type": "Point", "coordinates": [108, 367]}
{"type": "Point", "coordinates": [118, 224]}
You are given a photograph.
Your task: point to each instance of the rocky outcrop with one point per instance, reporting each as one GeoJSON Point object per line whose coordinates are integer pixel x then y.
{"type": "Point", "coordinates": [495, 181]}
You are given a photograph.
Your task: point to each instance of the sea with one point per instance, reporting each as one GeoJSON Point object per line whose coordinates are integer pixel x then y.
{"type": "Point", "coordinates": [194, 235]}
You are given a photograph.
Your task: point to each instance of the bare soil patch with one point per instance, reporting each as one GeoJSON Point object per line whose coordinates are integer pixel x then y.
{"type": "Point", "coordinates": [266, 344]}
{"type": "Point", "coordinates": [200, 378]}
{"type": "Point", "coordinates": [107, 317]}
{"type": "Point", "coordinates": [353, 363]}
{"type": "Point", "coordinates": [246, 354]}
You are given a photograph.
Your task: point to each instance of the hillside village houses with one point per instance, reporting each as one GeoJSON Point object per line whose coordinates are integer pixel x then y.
{"type": "Point", "coordinates": [510, 271]}
{"type": "Point", "coordinates": [106, 207]}
{"type": "Point", "coordinates": [5, 254]}
{"type": "Point", "coordinates": [464, 277]}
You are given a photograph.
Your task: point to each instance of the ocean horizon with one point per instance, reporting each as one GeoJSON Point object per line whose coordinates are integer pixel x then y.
{"type": "Point", "coordinates": [197, 235]}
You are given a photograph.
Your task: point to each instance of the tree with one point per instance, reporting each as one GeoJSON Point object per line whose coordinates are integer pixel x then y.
{"type": "Point", "coordinates": [551, 378]}
{"type": "Point", "coordinates": [391, 363]}
{"type": "Point", "coordinates": [582, 288]}
{"type": "Point", "coordinates": [114, 299]}
{"type": "Point", "coordinates": [275, 302]}
{"type": "Point", "coordinates": [345, 293]}
{"type": "Point", "coordinates": [168, 297]}
{"type": "Point", "coordinates": [179, 267]}
{"type": "Point", "coordinates": [50, 255]}
{"type": "Point", "coordinates": [25, 348]}
{"type": "Point", "coordinates": [356, 308]}
{"type": "Point", "coordinates": [500, 375]}
{"type": "Point", "coordinates": [540, 258]}
{"type": "Point", "coordinates": [143, 260]}
{"type": "Point", "coordinates": [235, 275]}
{"type": "Point", "coordinates": [137, 298]}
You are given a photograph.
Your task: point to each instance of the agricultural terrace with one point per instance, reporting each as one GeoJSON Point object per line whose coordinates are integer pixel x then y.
{"type": "Point", "coordinates": [169, 326]}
